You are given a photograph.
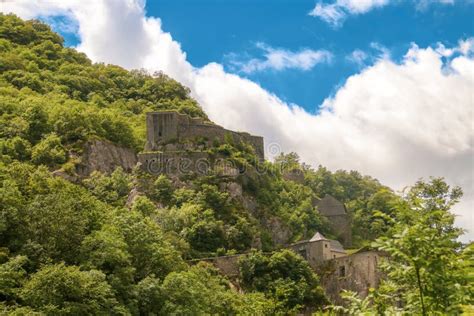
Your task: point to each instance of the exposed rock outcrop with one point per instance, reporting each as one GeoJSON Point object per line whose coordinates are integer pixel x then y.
{"type": "Point", "coordinates": [132, 196]}
{"type": "Point", "coordinates": [234, 189]}
{"type": "Point", "coordinates": [280, 233]}
{"type": "Point", "coordinates": [104, 156]}
{"type": "Point", "coordinates": [66, 176]}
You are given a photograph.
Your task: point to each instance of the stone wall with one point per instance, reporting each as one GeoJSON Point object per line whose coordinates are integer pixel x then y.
{"type": "Point", "coordinates": [169, 126]}
{"type": "Point", "coordinates": [186, 163]}
{"type": "Point", "coordinates": [227, 265]}
{"type": "Point", "coordinates": [357, 272]}
{"type": "Point", "coordinates": [313, 252]}
{"type": "Point", "coordinates": [338, 217]}
{"type": "Point", "coordinates": [316, 252]}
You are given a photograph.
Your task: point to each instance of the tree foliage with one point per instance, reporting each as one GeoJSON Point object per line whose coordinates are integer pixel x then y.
{"type": "Point", "coordinates": [284, 277]}
{"type": "Point", "coordinates": [425, 263]}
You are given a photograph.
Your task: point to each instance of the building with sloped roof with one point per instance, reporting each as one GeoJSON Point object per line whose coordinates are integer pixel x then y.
{"type": "Point", "coordinates": [339, 270]}
{"type": "Point", "coordinates": [318, 249]}
{"type": "Point", "coordinates": [338, 217]}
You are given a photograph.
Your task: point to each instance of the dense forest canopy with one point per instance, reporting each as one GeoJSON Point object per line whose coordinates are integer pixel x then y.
{"type": "Point", "coordinates": [78, 248]}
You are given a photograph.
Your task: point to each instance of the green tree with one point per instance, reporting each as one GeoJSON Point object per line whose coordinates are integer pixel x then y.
{"type": "Point", "coordinates": [151, 252]}
{"type": "Point", "coordinates": [202, 291]}
{"type": "Point", "coordinates": [106, 250]}
{"type": "Point", "coordinates": [206, 235]}
{"type": "Point", "coordinates": [424, 252]}
{"type": "Point", "coordinates": [12, 203]}
{"type": "Point", "coordinates": [57, 218]}
{"type": "Point", "coordinates": [113, 188]}
{"type": "Point", "coordinates": [66, 290]}
{"type": "Point", "coordinates": [16, 148]}
{"type": "Point", "coordinates": [49, 151]}
{"type": "Point", "coordinates": [12, 277]}
{"type": "Point", "coordinates": [144, 206]}
{"type": "Point", "coordinates": [163, 190]}
{"type": "Point", "coordinates": [150, 297]}
{"type": "Point", "coordinates": [284, 277]}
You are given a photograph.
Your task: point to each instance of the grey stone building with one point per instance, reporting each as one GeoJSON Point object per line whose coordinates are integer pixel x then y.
{"type": "Point", "coordinates": [339, 270]}
{"type": "Point", "coordinates": [357, 272]}
{"type": "Point", "coordinates": [339, 219]}
{"type": "Point", "coordinates": [318, 249]}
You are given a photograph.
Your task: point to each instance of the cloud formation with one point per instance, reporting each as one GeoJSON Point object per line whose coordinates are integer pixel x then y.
{"type": "Point", "coordinates": [279, 59]}
{"type": "Point", "coordinates": [376, 52]}
{"type": "Point", "coordinates": [336, 12]}
{"type": "Point", "coordinates": [395, 121]}
{"type": "Point", "coordinates": [358, 57]}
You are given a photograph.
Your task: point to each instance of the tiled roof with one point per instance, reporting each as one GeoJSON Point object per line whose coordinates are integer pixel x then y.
{"type": "Point", "coordinates": [317, 236]}
{"type": "Point", "coordinates": [336, 246]}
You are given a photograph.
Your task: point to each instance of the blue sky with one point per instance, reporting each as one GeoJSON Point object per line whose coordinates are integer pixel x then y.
{"type": "Point", "coordinates": [214, 30]}
{"type": "Point", "coordinates": [210, 30]}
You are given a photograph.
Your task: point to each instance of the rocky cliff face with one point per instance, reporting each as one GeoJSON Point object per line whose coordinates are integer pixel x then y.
{"type": "Point", "coordinates": [104, 156]}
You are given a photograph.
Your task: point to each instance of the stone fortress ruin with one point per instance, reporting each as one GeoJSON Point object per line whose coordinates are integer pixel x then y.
{"type": "Point", "coordinates": [174, 137]}
{"type": "Point", "coordinates": [177, 140]}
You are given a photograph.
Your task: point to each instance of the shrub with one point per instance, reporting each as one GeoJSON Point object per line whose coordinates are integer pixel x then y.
{"type": "Point", "coordinates": [49, 151]}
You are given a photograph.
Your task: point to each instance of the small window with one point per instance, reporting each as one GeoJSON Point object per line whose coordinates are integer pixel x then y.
{"type": "Point", "coordinates": [342, 271]}
{"type": "Point", "coordinates": [325, 245]}
{"type": "Point", "coordinates": [334, 256]}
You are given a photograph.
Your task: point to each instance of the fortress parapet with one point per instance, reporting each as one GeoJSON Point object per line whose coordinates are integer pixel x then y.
{"type": "Point", "coordinates": [170, 127]}
{"type": "Point", "coordinates": [178, 144]}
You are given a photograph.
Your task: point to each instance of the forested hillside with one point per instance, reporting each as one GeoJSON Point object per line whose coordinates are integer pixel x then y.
{"type": "Point", "coordinates": [78, 248]}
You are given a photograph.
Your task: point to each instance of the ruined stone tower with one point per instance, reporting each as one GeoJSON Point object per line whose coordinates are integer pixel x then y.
{"type": "Point", "coordinates": [177, 143]}
{"type": "Point", "coordinates": [340, 221]}
{"type": "Point", "coordinates": [168, 127]}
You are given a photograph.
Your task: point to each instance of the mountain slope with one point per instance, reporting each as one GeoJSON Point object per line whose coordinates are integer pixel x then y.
{"type": "Point", "coordinates": [82, 237]}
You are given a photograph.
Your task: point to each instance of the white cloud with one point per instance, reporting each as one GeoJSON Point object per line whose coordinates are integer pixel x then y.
{"type": "Point", "coordinates": [281, 59]}
{"type": "Point", "coordinates": [329, 13]}
{"type": "Point", "coordinates": [383, 52]}
{"type": "Point", "coordinates": [335, 12]}
{"type": "Point", "coordinates": [397, 122]}
{"type": "Point", "coordinates": [424, 4]}
{"type": "Point", "coordinates": [358, 57]}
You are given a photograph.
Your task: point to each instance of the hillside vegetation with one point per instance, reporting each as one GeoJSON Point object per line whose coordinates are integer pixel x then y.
{"type": "Point", "coordinates": [77, 248]}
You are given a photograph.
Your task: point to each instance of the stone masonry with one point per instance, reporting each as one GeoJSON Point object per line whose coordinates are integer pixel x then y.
{"type": "Point", "coordinates": [339, 220]}
{"type": "Point", "coordinates": [176, 144]}
{"type": "Point", "coordinates": [170, 127]}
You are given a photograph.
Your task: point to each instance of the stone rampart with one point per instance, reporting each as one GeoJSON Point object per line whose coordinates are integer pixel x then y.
{"type": "Point", "coordinates": [172, 127]}
{"type": "Point", "coordinates": [186, 163]}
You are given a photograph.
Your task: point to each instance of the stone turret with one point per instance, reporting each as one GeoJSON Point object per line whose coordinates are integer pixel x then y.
{"type": "Point", "coordinates": [336, 212]}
